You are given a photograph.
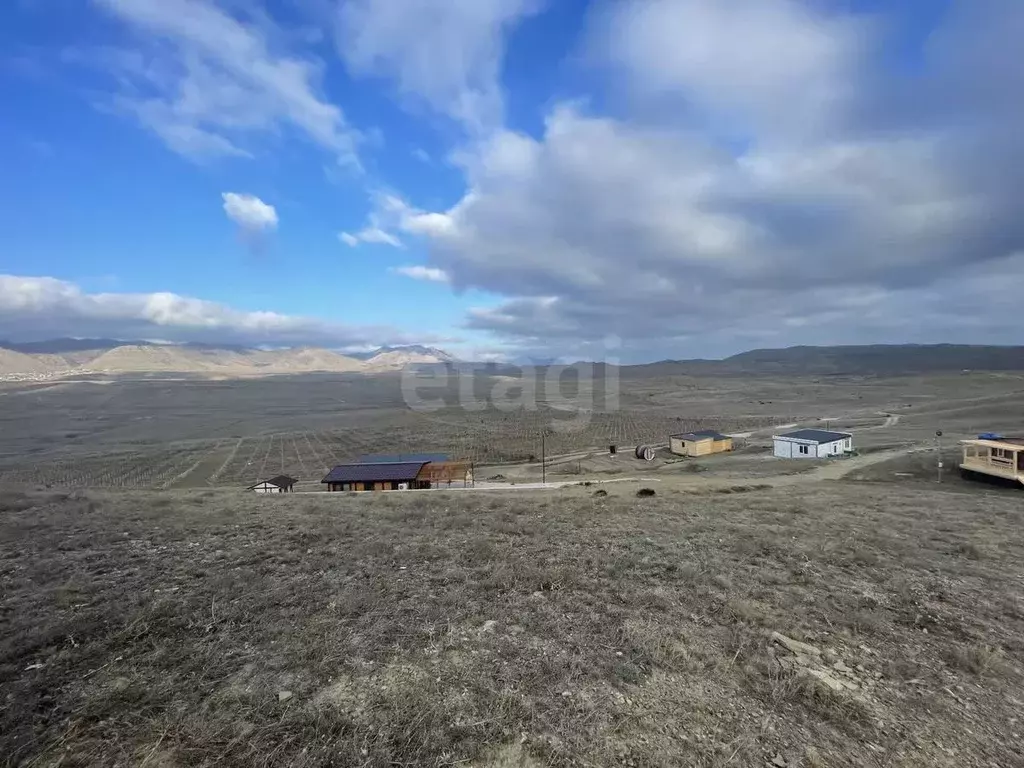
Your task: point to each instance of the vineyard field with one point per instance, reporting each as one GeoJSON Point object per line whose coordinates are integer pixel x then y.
{"type": "Point", "coordinates": [198, 434]}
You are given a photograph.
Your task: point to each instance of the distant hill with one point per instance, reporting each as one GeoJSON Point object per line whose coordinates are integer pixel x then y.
{"type": "Point", "coordinates": [874, 359]}
{"type": "Point", "coordinates": [438, 355]}
{"type": "Point", "coordinates": [396, 359]}
{"type": "Point", "coordinates": [14, 362]}
{"type": "Point", "coordinates": [61, 346]}
{"type": "Point", "coordinates": [305, 360]}
{"type": "Point", "coordinates": [225, 362]}
{"type": "Point", "coordinates": [230, 362]}
{"type": "Point", "coordinates": [69, 356]}
{"type": "Point", "coordinates": [881, 358]}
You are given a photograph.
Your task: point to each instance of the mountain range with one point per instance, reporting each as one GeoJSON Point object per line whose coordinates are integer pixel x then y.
{"type": "Point", "coordinates": [869, 359]}
{"type": "Point", "coordinates": [436, 355]}
{"type": "Point", "coordinates": [63, 357]}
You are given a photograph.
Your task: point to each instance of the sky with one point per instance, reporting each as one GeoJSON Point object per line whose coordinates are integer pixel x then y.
{"type": "Point", "coordinates": [513, 179]}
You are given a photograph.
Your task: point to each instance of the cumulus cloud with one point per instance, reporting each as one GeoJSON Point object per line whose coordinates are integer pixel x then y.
{"type": "Point", "coordinates": [419, 272]}
{"type": "Point", "coordinates": [444, 53]}
{"type": "Point", "coordinates": [204, 80]}
{"type": "Point", "coordinates": [763, 184]}
{"type": "Point", "coordinates": [771, 64]}
{"type": "Point", "coordinates": [33, 308]}
{"type": "Point", "coordinates": [249, 212]}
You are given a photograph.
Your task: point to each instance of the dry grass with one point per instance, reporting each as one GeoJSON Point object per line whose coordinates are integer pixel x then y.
{"type": "Point", "coordinates": [186, 629]}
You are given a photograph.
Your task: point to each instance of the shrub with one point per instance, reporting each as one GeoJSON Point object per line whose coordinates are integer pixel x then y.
{"type": "Point", "coordinates": [645, 492]}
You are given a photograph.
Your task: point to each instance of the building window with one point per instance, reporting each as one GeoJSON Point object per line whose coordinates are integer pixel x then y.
{"type": "Point", "coordinates": [804, 449]}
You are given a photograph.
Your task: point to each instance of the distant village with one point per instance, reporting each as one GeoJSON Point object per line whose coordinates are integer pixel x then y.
{"type": "Point", "coordinates": [990, 456]}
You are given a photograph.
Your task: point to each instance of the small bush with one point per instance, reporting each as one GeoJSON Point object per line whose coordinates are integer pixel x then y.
{"type": "Point", "coordinates": [645, 492]}
{"type": "Point", "coordinates": [976, 659]}
{"type": "Point", "coordinates": [600, 492]}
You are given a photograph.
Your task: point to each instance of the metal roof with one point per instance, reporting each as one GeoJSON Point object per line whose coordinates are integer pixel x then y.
{"type": "Point", "coordinates": [400, 458]}
{"type": "Point", "coordinates": [706, 434]}
{"type": "Point", "coordinates": [374, 473]}
{"type": "Point", "coordinates": [816, 435]}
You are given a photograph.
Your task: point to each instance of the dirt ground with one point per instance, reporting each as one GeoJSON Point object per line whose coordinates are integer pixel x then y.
{"type": "Point", "coordinates": [207, 434]}
{"type": "Point", "coordinates": [210, 627]}
{"type": "Point", "coordinates": [197, 625]}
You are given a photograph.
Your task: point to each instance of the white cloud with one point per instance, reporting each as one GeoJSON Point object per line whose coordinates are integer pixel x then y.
{"type": "Point", "coordinates": [849, 207]}
{"type": "Point", "coordinates": [418, 272]}
{"type": "Point", "coordinates": [378, 235]}
{"type": "Point", "coordinates": [249, 212]}
{"type": "Point", "coordinates": [45, 307]}
{"type": "Point", "coordinates": [775, 63]}
{"type": "Point", "coordinates": [370, 234]}
{"type": "Point", "coordinates": [203, 79]}
{"type": "Point", "coordinates": [447, 53]}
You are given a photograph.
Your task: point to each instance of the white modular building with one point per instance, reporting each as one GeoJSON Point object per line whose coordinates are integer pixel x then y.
{"type": "Point", "coordinates": [812, 444]}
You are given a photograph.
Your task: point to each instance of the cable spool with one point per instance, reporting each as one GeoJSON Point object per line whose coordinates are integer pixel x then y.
{"type": "Point", "coordinates": [645, 453]}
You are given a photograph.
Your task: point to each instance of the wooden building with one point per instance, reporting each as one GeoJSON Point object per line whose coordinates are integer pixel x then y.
{"type": "Point", "coordinates": [998, 457]}
{"type": "Point", "coordinates": [279, 484]}
{"type": "Point", "coordinates": [441, 474]}
{"type": "Point", "coordinates": [699, 443]}
{"type": "Point", "coordinates": [378, 475]}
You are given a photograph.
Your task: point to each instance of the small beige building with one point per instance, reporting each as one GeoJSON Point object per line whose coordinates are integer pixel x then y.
{"type": "Point", "coordinates": [699, 443]}
{"type": "Point", "coordinates": [997, 457]}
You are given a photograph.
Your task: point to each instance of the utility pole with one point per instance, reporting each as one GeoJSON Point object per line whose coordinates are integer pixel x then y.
{"type": "Point", "coordinates": [543, 459]}
{"type": "Point", "coordinates": [938, 450]}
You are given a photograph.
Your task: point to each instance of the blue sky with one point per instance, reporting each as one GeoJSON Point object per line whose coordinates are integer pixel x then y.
{"type": "Point", "coordinates": [668, 178]}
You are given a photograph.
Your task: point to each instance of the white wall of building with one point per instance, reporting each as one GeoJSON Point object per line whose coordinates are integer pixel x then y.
{"type": "Point", "coordinates": [267, 488]}
{"type": "Point", "coordinates": [789, 448]}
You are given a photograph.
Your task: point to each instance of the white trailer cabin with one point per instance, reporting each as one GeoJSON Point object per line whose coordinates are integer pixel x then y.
{"type": "Point", "coordinates": [812, 444]}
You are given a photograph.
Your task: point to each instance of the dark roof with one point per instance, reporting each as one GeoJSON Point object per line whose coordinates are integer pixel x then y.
{"type": "Point", "coordinates": [373, 473]}
{"type": "Point", "coordinates": [817, 435]}
{"type": "Point", "coordinates": [706, 434]}
{"type": "Point", "coordinates": [400, 458]}
{"type": "Point", "coordinates": [281, 481]}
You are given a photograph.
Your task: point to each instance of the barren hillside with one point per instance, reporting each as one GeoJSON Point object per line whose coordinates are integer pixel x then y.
{"type": "Point", "coordinates": [310, 359]}
{"type": "Point", "coordinates": [17, 362]}
{"type": "Point", "coordinates": [833, 625]}
{"type": "Point", "coordinates": [398, 359]}
{"type": "Point", "coordinates": [131, 359]}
